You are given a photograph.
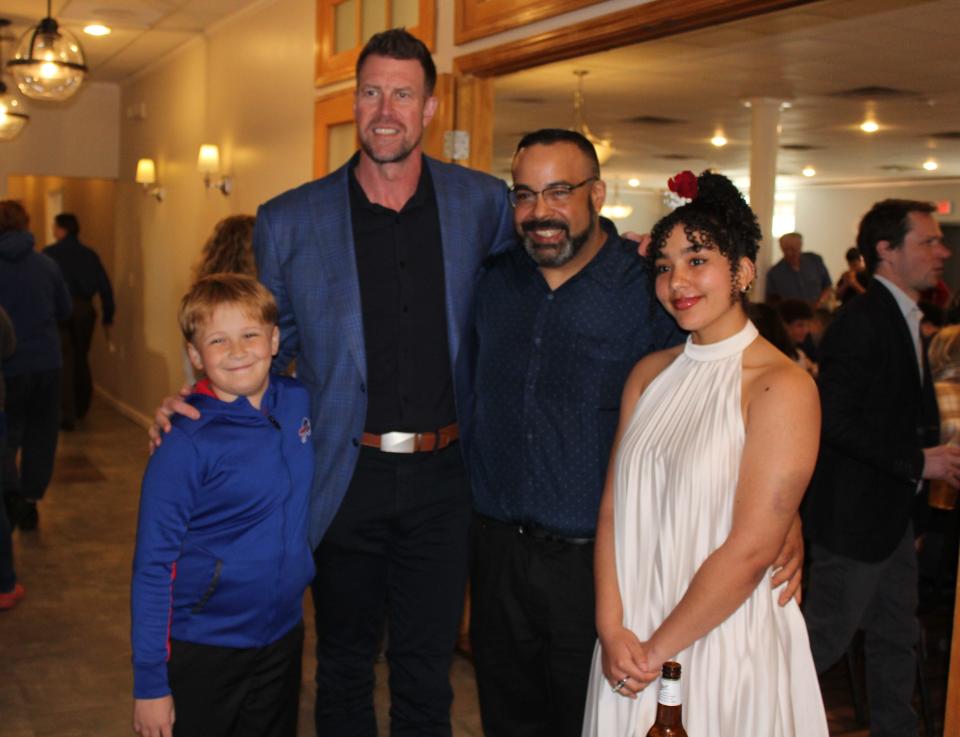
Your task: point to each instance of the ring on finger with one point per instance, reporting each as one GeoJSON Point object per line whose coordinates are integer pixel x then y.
{"type": "Point", "coordinates": [620, 684]}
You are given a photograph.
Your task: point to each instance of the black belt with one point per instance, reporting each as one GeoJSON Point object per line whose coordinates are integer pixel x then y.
{"type": "Point", "coordinates": [532, 531]}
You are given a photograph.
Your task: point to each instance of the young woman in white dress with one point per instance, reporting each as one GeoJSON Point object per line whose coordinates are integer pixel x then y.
{"type": "Point", "coordinates": [716, 444]}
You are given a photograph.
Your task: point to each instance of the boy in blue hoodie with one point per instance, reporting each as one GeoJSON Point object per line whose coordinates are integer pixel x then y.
{"type": "Point", "coordinates": [222, 557]}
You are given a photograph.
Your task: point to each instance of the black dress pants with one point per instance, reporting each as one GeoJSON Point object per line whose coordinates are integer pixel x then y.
{"type": "Point", "coordinates": [33, 421]}
{"type": "Point", "coordinates": [396, 552]}
{"type": "Point", "coordinates": [236, 692]}
{"type": "Point", "coordinates": [533, 631]}
{"type": "Point", "coordinates": [76, 333]}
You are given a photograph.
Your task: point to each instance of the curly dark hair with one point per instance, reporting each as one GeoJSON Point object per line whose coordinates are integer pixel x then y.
{"type": "Point", "coordinates": [717, 218]}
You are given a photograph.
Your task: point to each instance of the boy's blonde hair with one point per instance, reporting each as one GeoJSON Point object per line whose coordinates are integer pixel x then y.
{"type": "Point", "coordinates": [210, 292]}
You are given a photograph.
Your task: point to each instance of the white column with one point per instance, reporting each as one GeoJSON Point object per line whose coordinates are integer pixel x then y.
{"type": "Point", "coordinates": [764, 144]}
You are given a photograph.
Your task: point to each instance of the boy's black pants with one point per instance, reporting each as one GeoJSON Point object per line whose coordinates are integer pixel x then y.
{"type": "Point", "coordinates": [236, 692]}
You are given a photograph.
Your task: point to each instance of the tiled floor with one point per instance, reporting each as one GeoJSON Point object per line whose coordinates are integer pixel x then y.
{"type": "Point", "coordinates": [64, 660]}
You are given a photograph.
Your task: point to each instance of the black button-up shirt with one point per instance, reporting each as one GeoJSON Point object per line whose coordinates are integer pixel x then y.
{"type": "Point", "coordinates": [400, 269]}
{"type": "Point", "coordinates": [550, 372]}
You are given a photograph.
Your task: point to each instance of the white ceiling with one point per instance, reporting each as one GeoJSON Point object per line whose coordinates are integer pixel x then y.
{"type": "Point", "coordinates": [143, 30]}
{"type": "Point", "coordinates": [804, 55]}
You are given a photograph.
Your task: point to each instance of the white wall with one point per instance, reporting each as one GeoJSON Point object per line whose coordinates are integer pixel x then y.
{"type": "Point", "coordinates": [828, 216]}
{"type": "Point", "coordinates": [76, 138]}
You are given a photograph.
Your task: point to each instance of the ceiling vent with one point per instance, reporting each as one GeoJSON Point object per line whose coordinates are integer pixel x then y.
{"type": "Point", "coordinates": [799, 147]}
{"type": "Point", "coordinates": [896, 167]}
{"type": "Point", "coordinates": [654, 120]}
{"type": "Point", "coordinates": [522, 100]}
{"type": "Point", "coordinates": [873, 92]}
{"type": "Point", "coordinates": [946, 135]}
{"type": "Point", "coordinates": [674, 157]}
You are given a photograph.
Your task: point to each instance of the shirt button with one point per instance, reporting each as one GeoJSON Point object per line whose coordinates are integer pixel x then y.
{"type": "Point", "coordinates": [403, 264]}
{"type": "Point", "coordinates": [550, 297]}
{"type": "Point", "coordinates": [529, 436]}
{"type": "Point", "coordinates": [537, 341]}
{"type": "Point", "coordinates": [356, 443]}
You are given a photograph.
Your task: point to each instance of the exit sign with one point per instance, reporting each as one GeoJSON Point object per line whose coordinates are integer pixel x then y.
{"type": "Point", "coordinates": [944, 207]}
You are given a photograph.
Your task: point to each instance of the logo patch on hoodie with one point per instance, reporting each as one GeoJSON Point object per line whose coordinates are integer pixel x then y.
{"type": "Point", "coordinates": [304, 431]}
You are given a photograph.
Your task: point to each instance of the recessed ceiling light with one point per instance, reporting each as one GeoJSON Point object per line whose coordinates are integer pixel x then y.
{"type": "Point", "coordinates": [97, 29]}
{"type": "Point", "coordinates": [931, 165]}
{"type": "Point", "coordinates": [719, 140]}
{"type": "Point", "coordinates": [869, 126]}
{"type": "Point", "coordinates": [633, 182]}
{"type": "Point", "coordinates": [809, 171]}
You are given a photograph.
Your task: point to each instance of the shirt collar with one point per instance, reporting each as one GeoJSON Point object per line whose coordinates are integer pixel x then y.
{"type": "Point", "coordinates": [906, 304]}
{"type": "Point", "coordinates": [423, 191]}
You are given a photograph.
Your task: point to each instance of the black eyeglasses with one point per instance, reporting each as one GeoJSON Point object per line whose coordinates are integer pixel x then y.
{"type": "Point", "coordinates": [555, 194]}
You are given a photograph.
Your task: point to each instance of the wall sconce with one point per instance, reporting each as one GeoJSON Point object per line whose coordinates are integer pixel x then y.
{"type": "Point", "coordinates": [208, 164]}
{"type": "Point", "coordinates": [147, 178]}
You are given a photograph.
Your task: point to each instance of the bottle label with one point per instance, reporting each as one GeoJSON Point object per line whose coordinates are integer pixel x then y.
{"type": "Point", "coordinates": [670, 694]}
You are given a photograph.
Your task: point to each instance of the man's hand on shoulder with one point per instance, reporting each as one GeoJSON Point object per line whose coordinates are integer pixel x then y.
{"type": "Point", "coordinates": [167, 409]}
{"type": "Point", "coordinates": [642, 240]}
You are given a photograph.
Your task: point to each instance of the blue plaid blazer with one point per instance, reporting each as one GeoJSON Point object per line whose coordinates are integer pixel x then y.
{"type": "Point", "coordinates": [304, 248]}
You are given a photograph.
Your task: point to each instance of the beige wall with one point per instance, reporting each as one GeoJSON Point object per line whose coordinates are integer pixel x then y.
{"type": "Point", "coordinates": [828, 216]}
{"type": "Point", "coordinates": [247, 87]}
{"type": "Point", "coordinates": [77, 138]}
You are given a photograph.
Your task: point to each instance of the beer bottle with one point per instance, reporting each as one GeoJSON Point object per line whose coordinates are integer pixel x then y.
{"type": "Point", "coordinates": [669, 722]}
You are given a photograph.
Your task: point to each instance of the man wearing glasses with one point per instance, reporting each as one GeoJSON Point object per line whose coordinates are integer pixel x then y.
{"type": "Point", "coordinates": [560, 323]}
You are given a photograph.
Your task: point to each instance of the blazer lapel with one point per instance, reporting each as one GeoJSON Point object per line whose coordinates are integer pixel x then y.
{"type": "Point", "coordinates": [333, 237]}
{"type": "Point", "coordinates": [901, 331]}
{"type": "Point", "coordinates": [454, 237]}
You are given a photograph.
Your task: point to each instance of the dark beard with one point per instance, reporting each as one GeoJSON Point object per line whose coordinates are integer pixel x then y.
{"type": "Point", "coordinates": [557, 255]}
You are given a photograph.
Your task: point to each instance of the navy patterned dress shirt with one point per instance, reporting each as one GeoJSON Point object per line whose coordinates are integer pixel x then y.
{"type": "Point", "coordinates": [551, 369]}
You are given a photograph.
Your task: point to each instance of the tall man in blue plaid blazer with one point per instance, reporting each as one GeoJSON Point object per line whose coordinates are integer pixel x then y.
{"type": "Point", "coordinates": [373, 268]}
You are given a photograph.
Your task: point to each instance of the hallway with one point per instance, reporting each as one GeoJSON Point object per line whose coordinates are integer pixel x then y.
{"type": "Point", "coordinates": [65, 670]}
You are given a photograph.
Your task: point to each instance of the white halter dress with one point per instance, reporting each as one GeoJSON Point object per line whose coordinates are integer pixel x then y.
{"type": "Point", "coordinates": [676, 476]}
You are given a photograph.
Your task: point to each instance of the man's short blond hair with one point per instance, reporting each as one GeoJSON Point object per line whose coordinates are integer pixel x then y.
{"type": "Point", "coordinates": [210, 292]}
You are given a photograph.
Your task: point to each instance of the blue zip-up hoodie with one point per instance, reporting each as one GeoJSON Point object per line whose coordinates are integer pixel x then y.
{"type": "Point", "coordinates": [222, 555]}
{"type": "Point", "coordinates": [35, 295]}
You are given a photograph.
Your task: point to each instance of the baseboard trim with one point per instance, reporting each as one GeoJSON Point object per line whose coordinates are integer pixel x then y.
{"type": "Point", "coordinates": [123, 408]}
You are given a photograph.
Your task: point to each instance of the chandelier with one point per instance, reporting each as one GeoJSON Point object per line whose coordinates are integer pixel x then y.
{"type": "Point", "coordinates": [13, 118]}
{"type": "Point", "coordinates": [602, 146]}
{"type": "Point", "coordinates": [48, 63]}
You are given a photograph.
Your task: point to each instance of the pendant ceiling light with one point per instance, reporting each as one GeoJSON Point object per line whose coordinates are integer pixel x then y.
{"type": "Point", "coordinates": [48, 63]}
{"type": "Point", "coordinates": [13, 118]}
{"type": "Point", "coordinates": [602, 146]}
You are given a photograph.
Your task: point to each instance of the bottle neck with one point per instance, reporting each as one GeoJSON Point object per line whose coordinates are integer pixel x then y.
{"type": "Point", "coordinates": [669, 703]}
{"type": "Point", "coordinates": [669, 716]}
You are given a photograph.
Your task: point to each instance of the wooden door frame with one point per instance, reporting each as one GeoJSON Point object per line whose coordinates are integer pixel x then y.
{"type": "Point", "coordinates": [652, 20]}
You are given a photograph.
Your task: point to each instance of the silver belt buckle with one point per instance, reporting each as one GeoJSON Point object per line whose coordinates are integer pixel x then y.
{"type": "Point", "coordinates": [398, 442]}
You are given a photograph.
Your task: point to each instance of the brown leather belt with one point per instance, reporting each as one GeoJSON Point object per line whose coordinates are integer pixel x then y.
{"type": "Point", "coordinates": [412, 442]}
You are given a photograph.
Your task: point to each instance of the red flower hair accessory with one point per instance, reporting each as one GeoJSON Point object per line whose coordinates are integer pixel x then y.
{"type": "Point", "coordinates": [684, 185]}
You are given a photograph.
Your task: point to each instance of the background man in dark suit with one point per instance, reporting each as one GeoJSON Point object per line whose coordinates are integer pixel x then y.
{"type": "Point", "coordinates": [879, 445]}
{"type": "Point", "coordinates": [85, 277]}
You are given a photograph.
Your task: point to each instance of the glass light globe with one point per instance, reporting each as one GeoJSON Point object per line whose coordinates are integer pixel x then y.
{"type": "Point", "coordinates": [13, 118]}
{"type": "Point", "coordinates": [48, 63]}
